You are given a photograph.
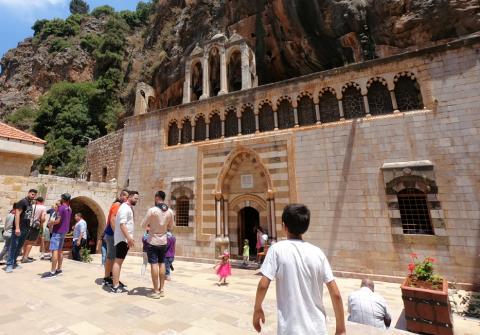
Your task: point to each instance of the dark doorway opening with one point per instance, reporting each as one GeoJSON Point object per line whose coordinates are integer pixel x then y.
{"type": "Point", "coordinates": [78, 206]}
{"type": "Point", "coordinates": [249, 220]}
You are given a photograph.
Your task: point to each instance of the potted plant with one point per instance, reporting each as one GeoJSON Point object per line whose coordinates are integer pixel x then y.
{"type": "Point", "coordinates": [425, 298]}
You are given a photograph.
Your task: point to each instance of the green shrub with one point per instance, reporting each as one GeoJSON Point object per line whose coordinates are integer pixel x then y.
{"type": "Point", "coordinates": [75, 19]}
{"type": "Point", "coordinates": [23, 118]}
{"type": "Point", "coordinates": [103, 11]}
{"type": "Point", "coordinates": [38, 26]}
{"type": "Point", "coordinates": [59, 45]}
{"type": "Point", "coordinates": [59, 28]}
{"type": "Point", "coordinates": [79, 7]}
{"type": "Point", "coordinates": [85, 255]}
{"type": "Point", "coordinates": [90, 42]}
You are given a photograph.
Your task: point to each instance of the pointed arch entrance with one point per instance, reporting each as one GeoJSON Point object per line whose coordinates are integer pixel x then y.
{"type": "Point", "coordinates": [243, 182]}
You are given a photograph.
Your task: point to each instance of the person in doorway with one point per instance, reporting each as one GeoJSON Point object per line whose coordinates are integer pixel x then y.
{"type": "Point", "coordinates": [170, 255]}
{"type": "Point", "coordinates": [123, 234]}
{"type": "Point", "coordinates": [7, 232]}
{"type": "Point", "coordinates": [23, 213]}
{"type": "Point", "coordinates": [39, 213]}
{"type": "Point", "coordinates": [60, 227]}
{"type": "Point", "coordinates": [79, 237]}
{"type": "Point", "coordinates": [367, 307]}
{"type": "Point", "coordinates": [246, 252]}
{"type": "Point", "coordinates": [159, 219]}
{"type": "Point", "coordinates": [300, 270]}
{"type": "Point", "coordinates": [224, 269]}
{"type": "Point", "coordinates": [109, 236]}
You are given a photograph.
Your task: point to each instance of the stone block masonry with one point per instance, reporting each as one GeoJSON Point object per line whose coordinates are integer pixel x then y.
{"type": "Point", "coordinates": [103, 156]}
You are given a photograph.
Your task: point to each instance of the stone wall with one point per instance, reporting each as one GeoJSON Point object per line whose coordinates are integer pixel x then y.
{"type": "Point", "coordinates": [103, 156]}
{"type": "Point", "coordinates": [335, 168]}
{"type": "Point", "coordinates": [97, 196]}
{"type": "Point", "coordinates": [15, 165]}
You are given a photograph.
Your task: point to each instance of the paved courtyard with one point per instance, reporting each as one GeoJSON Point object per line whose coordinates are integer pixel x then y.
{"type": "Point", "coordinates": [76, 303]}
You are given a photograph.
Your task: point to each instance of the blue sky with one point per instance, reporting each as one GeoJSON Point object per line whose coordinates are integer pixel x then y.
{"type": "Point", "coordinates": [17, 16]}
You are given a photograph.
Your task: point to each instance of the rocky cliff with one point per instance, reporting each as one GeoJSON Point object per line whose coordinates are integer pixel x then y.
{"type": "Point", "coordinates": [289, 37]}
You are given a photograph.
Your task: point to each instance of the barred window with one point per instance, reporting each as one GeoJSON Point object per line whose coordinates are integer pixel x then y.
{"type": "Point", "coordinates": [173, 134]}
{"type": "Point", "coordinates": [215, 127]}
{"type": "Point", "coordinates": [306, 111]}
{"type": "Point", "coordinates": [328, 105]}
{"type": "Point", "coordinates": [408, 95]}
{"type": "Point", "coordinates": [414, 212]}
{"type": "Point", "coordinates": [231, 124]}
{"type": "Point", "coordinates": [182, 208]}
{"type": "Point", "coordinates": [285, 115]}
{"type": "Point", "coordinates": [266, 119]}
{"type": "Point", "coordinates": [200, 129]}
{"type": "Point", "coordinates": [379, 99]}
{"type": "Point", "coordinates": [353, 106]}
{"type": "Point", "coordinates": [248, 121]}
{"type": "Point", "coordinates": [186, 132]}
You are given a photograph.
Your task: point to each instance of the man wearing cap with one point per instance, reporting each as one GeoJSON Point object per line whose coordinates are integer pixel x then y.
{"type": "Point", "coordinates": [159, 219]}
{"type": "Point", "coordinates": [60, 227]}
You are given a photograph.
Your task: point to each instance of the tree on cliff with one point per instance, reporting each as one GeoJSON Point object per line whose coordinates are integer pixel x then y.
{"type": "Point", "coordinates": [79, 7]}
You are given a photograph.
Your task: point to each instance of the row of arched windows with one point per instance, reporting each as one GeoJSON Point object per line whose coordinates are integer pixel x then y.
{"type": "Point", "coordinates": [379, 100]}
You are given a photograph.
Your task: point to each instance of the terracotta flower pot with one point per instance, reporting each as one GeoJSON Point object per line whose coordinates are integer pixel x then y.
{"type": "Point", "coordinates": [427, 311]}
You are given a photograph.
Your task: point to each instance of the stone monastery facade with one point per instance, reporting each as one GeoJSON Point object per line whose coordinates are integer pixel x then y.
{"type": "Point", "coordinates": [385, 153]}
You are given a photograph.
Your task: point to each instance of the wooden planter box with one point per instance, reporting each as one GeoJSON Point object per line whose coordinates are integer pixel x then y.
{"type": "Point", "coordinates": [427, 311]}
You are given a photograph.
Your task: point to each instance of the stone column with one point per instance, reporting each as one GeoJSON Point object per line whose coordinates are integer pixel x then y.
{"type": "Point", "coordinates": [273, 219]}
{"type": "Point", "coordinates": [275, 118]}
{"type": "Point", "coordinates": [187, 85]}
{"type": "Point", "coordinates": [246, 77]}
{"type": "Point", "coordinates": [257, 124]}
{"type": "Point", "coordinates": [295, 116]}
{"type": "Point", "coordinates": [207, 131]}
{"type": "Point", "coordinates": [218, 215]}
{"type": "Point", "coordinates": [206, 78]}
{"type": "Point", "coordinates": [223, 128]}
{"type": "Point", "coordinates": [180, 135]}
{"type": "Point", "coordinates": [239, 125]}
{"type": "Point", "coordinates": [225, 220]}
{"type": "Point", "coordinates": [223, 72]}
{"type": "Point", "coordinates": [365, 104]}
{"type": "Point", "coordinates": [269, 218]}
{"type": "Point", "coordinates": [340, 109]}
{"type": "Point", "coordinates": [317, 113]}
{"type": "Point", "coordinates": [193, 133]}
{"type": "Point", "coordinates": [394, 101]}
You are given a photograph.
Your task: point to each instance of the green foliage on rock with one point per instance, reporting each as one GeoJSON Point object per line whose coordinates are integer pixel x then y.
{"type": "Point", "coordinates": [140, 16]}
{"type": "Point", "coordinates": [103, 11]}
{"type": "Point", "coordinates": [79, 7]}
{"type": "Point", "coordinates": [23, 118]}
{"type": "Point", "coordinates": [90, 42]}
{"type": "Point", "coordinates": [59, 45]}
{"type": "Point", "coordinates": [38, 26]}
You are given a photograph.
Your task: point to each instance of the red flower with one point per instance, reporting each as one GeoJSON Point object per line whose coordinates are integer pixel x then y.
{"type": "Point", "coordinates": [411, 267]}
{"type": "Point", "coordinates": [431, 259]}
{"type": "Point", "coordinates": [413, 255]}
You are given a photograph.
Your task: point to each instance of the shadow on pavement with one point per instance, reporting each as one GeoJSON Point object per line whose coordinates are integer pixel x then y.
{"type": "Point", "coordinates": [401, 324]}
{"type": "Point", "coordinates": [99, 281]}
{"type": "Point", "coordinates": [141, 291]}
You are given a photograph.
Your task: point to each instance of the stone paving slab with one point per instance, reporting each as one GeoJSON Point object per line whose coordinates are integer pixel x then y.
{"type": "Point", "coordinates": [75, 303]}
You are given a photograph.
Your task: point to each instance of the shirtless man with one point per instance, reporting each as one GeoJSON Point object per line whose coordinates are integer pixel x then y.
{"type": "Point", "coordinates": [159, 219]}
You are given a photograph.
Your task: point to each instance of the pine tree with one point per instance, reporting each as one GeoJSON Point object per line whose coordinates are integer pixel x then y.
{"type": "Point", "coordinates": [79, 7]}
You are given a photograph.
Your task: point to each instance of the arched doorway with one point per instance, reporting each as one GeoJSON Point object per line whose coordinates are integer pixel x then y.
{"type": "Point", "coordinates": [248, 221]}
{"type": "Point", "coordinates": [92, 214]}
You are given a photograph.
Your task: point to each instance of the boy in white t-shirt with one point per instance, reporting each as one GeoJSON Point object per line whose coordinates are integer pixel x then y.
{"type": "Point", "coordinates": [300, 270]}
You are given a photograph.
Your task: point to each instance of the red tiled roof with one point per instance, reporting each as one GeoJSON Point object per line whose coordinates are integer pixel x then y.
{"type": "Point", "coordinates": [7, 131]}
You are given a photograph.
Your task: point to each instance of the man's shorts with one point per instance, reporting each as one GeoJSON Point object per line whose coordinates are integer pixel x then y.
{"type": "Point", "coordinates": [110, 241]}
{"type": "Point", "coordinates": [56, 241]}
{"type": "Point", "coordinates": [121, 250]}
{"type": "Point", "coordinates": [156, 254]}
{"type": "Point", "coordinates": [46, 234]}
{"type": "Point", "coordinates": [32, 234]}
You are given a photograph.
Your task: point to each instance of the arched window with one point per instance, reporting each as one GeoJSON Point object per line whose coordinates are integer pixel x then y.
{"type": "Point", "coordinates": [414, 212]}
{"type": "Point", "coordinates": [173, 133]}
{"type": "Point", "coordinates": [215, 127]}
{"type": "Point", "coordinates": [266, 118]}
{"type": "Point", "coordinates": [200, 129]}
{"type": "Point", "coordinates": [306, 111]}
{"type": "Point", "coordinates": [408, 95]}
{"type": "Point", "coordinates": [186, 131]}
{"type": "Point", "coordinates": [285, 116]}
{"type": "Point", "coordinates": [182, 211]}
{"type": "Point", "coordinates": [328, 106]}
{"type": "Point", "coordinates": [353, 106]}
{"type": "Point", "coordinates": [231, 123]}
{"type": "Point", "coordinates": [248, 121]}
{"type": "Point", "coordinates": [235, 72]}
{"type": "Point", "coordinates": [197, 81]}
{"type": "Point", "coordinates": [379, 99]}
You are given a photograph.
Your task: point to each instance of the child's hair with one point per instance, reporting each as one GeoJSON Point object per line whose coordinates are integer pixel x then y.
{"type": "Point", "coordinates": [245, 241]}
{"type": "Point", "coordinates": [296, 218]}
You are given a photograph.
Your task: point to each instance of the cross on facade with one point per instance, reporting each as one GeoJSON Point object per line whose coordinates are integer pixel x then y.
{"type": "Point", "coordinates": [50, 169]}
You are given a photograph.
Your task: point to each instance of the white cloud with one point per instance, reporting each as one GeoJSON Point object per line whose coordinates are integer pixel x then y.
{"type": "Point", "coordinates": [28, 10]}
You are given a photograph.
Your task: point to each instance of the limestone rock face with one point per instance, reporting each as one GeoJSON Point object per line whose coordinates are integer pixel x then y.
{"type": "Point", "coordinates": [290, 38]}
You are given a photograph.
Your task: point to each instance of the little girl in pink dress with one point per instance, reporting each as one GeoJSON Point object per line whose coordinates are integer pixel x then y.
{"type": "Point", "coordinates": [224, 268]}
